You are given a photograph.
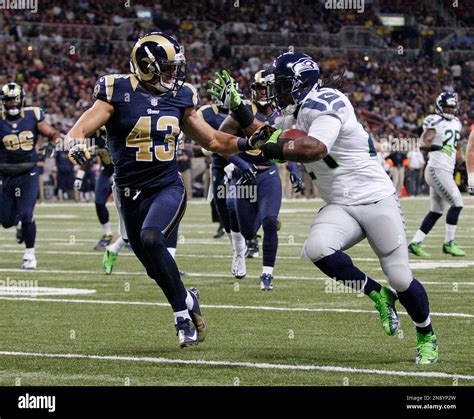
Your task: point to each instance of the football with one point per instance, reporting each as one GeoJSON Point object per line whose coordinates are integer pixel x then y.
{"type": "Point", "coordinates": [292, 134]}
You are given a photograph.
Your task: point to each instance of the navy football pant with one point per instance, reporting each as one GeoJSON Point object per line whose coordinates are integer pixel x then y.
{"type": "Point", "coordinates": [260, 207]}
{"type": "Point", "coordinates": [150, 218]}
{"type": "Point", "coordinates": [103, 189]}
{"type": "Point", "coordinates": [220, 204]}
{"type": "Point", "coordinates": [231, 208]}
{"type": "Point", "coordinates": [18, 199]}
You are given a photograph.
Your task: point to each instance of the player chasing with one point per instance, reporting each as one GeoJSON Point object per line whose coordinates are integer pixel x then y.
{"type": "Point", "coordinates": [360, 199]}
{"type": "Point", "coordinates": [19, 180]}
{"type": "Point", "coordinates": [253, 170]}
{"type": "Point", "coordinates": [441, 135]}
{"type": "Point", "coordinates": [143, 113]}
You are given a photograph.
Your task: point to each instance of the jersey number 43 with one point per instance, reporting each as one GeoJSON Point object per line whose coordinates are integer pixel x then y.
{"type": "Point", "coordinates": [140, 137]}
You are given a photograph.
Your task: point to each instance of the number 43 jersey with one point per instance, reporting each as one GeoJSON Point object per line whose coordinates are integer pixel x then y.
{"type": "Point", "coordinates": [448, 133]}
{"type": "Point", "coordinates": [350, 174]}
{"type": "Point", "coordinates": [142, 132]}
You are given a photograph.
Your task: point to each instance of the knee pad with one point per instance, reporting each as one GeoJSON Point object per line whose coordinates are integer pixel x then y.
{"type": "Point", "coordinates": [152, 238]}
{"type": "Point", "coordinates": [270, 224]}
{"type": "Point", "coordinates": [315, 248]}
{"type": "Point", "coordinates": [453, 215]}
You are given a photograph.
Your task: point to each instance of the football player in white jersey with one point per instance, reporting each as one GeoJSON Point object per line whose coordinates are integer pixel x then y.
{"type": "Point", "coordinates": [441, 134]}
{"type": "Point", "coordinates": [360, 200]}
{"type": "Point", "coordinates": [470, 163]}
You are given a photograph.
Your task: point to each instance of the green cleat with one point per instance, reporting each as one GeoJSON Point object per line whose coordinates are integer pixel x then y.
{"type": "Point", "coordinates": [108, 261]}
{"type": "Point", "coordinates": [415, 248]}
{"type": "Point", "coordinates": [385, 305]}
{"type": "Point", "coordinates": [426, 348]}
{"type": "Point", "coordinates": [452, 249]}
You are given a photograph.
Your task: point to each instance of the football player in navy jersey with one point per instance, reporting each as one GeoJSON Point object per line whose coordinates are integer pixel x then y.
{"type": "Point", "coordinates": [261, 208]}
{"type": "Point", "coordinates": [144, 112]}
{"type": "Point", "coordinates": [19, 183]}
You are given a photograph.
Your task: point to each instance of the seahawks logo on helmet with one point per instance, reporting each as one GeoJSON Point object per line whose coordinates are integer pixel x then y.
{"type": "Point", "coordinates": [304, 64]}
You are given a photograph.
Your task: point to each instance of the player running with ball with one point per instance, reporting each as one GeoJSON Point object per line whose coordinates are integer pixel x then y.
{"type": "Point", "coordinates": [360, 200]}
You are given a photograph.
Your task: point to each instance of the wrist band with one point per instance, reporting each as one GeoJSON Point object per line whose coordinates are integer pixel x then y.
{"type": "Point", "coordinates": [243, 115]}
{"type": "Point", "coordinates": [242, 144]}
{"type": "Point", "coordinates": [273, 151]}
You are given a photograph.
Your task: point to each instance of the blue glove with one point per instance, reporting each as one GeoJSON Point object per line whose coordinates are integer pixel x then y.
{"type": "Point", "coordinates": [248, 171]}
{"type": "Point", "coordinates": [295, 177]}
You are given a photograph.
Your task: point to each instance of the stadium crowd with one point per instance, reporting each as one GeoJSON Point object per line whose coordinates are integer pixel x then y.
{"type": "Point", "coordinates": [390, 91]}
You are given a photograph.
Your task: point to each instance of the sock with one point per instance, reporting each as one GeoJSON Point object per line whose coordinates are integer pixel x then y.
{"type": "Point", "coordinates": [418, 237]}
{"type": "Point", "coordinates": [117, 245]}
{"type": "Point", "coordinates": [183, 313]}
{"type": "Point", "coordinates": [267, 270]}
{"type": "Point", "coordinates": [370, 285]}
{"type": "Point", "coordinates": [172, 251]}
{"type": "Point", "coordinates": [189, 301]}
{"type": "Point", "coordinates": [28, 233]}
{"type": "Point", "coordinates": [107, 229]}
{"type": "Point", "coordinates": [339, 266]}
{"type": "Point", "coordinates": [428, 223]}
{"type": "Point", "coordinates": [270, 240]}
{"type": "Point", "coordinates": [415, 301]}
{"type": "Point", "coordinates": [229, 236]}
{"type": "Point", "coordinates": [450, 233]}
{"type": "Point", "coordinates": [238, 241]}
{"type": "Point", "coordinates": [161, 266]}
{"type": "Point", "coordinates": [30, 251]}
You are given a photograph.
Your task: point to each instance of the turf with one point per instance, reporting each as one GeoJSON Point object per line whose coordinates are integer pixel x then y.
{"type": "Point", "coordinates": [244, 323]}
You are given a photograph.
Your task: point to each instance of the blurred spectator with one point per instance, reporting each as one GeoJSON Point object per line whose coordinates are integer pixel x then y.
{"type": "Point", "coordinates": [416, 163]}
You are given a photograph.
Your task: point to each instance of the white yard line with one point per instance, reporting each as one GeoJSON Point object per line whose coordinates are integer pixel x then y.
{"type": "Point", "coordinates": [233, 364]}
{"type": "Point", "coordinates": [222, 306]}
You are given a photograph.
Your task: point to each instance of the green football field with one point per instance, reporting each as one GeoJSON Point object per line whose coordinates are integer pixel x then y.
{"type": "Point", "coordinates": [85, 328]}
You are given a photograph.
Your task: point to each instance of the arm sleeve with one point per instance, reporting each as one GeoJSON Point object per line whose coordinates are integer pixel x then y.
{"type": "Point", "coordinates": [325, 128]}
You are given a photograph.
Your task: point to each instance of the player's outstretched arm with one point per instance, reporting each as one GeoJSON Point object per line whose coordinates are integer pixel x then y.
{"type": "Point", "coordinates": [206, 136]}
{"type": "Point", "coordinates": [48, 131]}
{"type": "Point", "coordinates": [90, 121]}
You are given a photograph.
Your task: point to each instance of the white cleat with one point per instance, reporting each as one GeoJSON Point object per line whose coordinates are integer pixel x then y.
{"type": "Point", "coordinates": [239, 269]}
{"type": "Point", "coordinates": [29, 263]}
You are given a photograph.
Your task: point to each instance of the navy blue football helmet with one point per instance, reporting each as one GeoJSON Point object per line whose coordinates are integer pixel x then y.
{"type": "Point", "coordinates": [158, 60]}
{"type": "Point", "coordinates": [290, 78]}
{"type": "Point", "coordinates": [447, 105]}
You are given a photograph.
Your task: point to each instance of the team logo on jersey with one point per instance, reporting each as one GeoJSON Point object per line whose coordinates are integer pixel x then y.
{"type": "Point", "coordinates": [304, 64]}
{"type": "Point", "coordinates": [154, 101]}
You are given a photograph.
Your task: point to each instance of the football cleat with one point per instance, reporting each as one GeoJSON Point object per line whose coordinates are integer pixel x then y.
{"type": "Point", "coordinates": [186, 332]}
{"type": "Point", "coordinates": [239, 268]}
{"type": "Point", "coordinates": [219, 233]}
{"type": "Point", "coordinates": [108, 261]}
{"type": "Point", "coordinates": [252, 248]}
{"type": "Point", "coordinates": [103, 242]}
{"type": "Point", "coordinates": [452, 249]}
{"type": "Point", "coordinates": [415, 248]}
{"type": "Point", "coordinates": [196, 315]}
{"type": "Point", "coordinates": [426, 348]}
{"type": "Point", "coordinates": [266, 283]}
{"type": "Point", "coordinates": [385, 305]}
{"type": "Point", "coordinates": [19, 233]}
{"type": "Point", "coordinates": [29, 262]}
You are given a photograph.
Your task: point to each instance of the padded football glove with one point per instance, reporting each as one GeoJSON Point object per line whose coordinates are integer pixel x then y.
{"type": "Point", "coordinates": [224, 89]}
{"type": "Point", "coordinates": [266, 134]}
{"type": "Point", "coordinates": [79, 154]}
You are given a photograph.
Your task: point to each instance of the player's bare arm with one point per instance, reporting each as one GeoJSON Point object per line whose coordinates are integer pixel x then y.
{"type": "Point", "coordinates": [48, 131]}
{"type": "Point", "coordinates": [91, 120]}
{"type": "Point", "coordinates": [206, 136]}
{"type": "Point", "coordinates": [470, 163]}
